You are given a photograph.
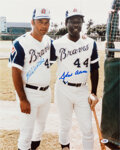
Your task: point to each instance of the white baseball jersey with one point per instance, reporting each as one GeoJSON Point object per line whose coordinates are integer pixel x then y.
{"type": "Point", "coordinates": [33, 58]}
{"type": "Point", "coordinates": [75, 59]}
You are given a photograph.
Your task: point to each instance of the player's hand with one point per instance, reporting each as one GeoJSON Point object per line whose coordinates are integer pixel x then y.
{"type": "Point", "coordinates": [25, 106]}
{"type": "Point", "coordinates": [92, 100]}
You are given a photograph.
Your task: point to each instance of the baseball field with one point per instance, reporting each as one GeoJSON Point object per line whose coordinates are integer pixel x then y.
{"type": "Point", "coordinates": [8, 138]}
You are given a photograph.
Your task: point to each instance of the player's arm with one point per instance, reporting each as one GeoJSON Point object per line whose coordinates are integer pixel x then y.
{"type": "Point", "coordinates": [18, 84]}
{"type": "Point", "coordinates": [16, 61]}
{"type": "Point", "coordinates": [94, 76]}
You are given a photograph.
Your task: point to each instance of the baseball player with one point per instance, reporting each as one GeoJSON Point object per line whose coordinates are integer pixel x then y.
{"type": "Point", "coordinates": [30, 61]}
{"type": "Point", "coordinates": [76, 58]}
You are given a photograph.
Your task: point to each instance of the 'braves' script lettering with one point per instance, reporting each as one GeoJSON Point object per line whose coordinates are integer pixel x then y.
{"type": "Point", "coordinates": [64, 53]}
{"type": "Point", "coordinates": [34, 55]}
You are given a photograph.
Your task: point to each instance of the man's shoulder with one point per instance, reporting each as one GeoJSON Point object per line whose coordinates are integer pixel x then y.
{"type": "Point", "coordinates": [61, 39]}
{"type": "Point", "coordinates": [22, 42]}
{"type": "Point", "coordinates": [47, 38]}
{"type": "Point", "coordinates": [20, 38]}
{"type": "Point", "coordinates": [87, 39]}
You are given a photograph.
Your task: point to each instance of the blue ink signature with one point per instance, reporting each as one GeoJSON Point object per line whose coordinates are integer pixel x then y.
{"type": "Point", "coordinates": [34, 68]}
{"type": "Point", "coordinates": [65, 75]}
{"type": "Point", "coordinates": [79, 72]}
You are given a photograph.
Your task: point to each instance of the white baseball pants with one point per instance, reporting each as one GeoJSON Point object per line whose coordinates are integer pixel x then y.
{"type": "Point", "coordinates": [32, 125]}
{"type": "Point", "coordinates": [69, 99]}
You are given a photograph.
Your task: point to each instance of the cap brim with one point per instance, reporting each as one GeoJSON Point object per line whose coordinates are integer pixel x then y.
{"type": "Point", "coordinates": [41, 17]}
{"type": "Point", "coordinates": [74, 15]}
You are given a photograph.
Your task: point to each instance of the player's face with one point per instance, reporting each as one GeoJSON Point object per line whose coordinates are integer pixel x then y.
{"type": "Point", "coordinates": [40, 26]}
{"type": "Point", "coordinates": [74, 25]}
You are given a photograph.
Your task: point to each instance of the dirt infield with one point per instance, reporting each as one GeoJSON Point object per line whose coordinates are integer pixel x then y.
{"type": "Point", "coordinates": [8, 141]}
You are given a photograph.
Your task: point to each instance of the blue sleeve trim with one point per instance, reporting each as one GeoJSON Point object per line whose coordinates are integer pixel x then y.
{"type": "Point", "coordinates": [17, 54]}
{"type": "Point", "coordinates": [53, 56]}
{"type": "Point", "coordinates": [94, 52]}
{"type": "Point", "coordinates": [94, 56]}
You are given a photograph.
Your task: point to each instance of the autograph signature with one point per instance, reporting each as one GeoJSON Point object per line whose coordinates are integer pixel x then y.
{"type": "Point", "coordinates": [34, 68]}
{"type": "Point", "coordinates": [67, 75]}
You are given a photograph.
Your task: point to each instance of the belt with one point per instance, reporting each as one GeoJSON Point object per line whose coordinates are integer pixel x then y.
{"type": "Point", "coordinates": [74, 84]}
{"type": "Point", "coordinates": [37, 87]}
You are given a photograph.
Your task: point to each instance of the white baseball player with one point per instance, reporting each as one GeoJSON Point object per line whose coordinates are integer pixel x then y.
{"type": "Point", "coordinates": [76, 58]}
{"type": "Point", "coordinates": [30, 62]}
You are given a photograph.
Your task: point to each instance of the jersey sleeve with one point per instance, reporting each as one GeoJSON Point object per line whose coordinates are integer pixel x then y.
{"type": "Point", "coordinates": [94, 58]}
{"type": "Point", "coordinates": [17, 56]}
{"type": "Point", "coordinates": [53, 56]}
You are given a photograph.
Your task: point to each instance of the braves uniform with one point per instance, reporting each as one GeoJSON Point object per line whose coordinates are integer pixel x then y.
{"type": "Point", "coordinates": [33, 58]}
{"type": "Point", "coordinates": [75, 61]}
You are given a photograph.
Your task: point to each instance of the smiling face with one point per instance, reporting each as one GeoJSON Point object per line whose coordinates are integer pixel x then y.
{"type": "Point", "coordinates": [40, 27]}
{"type": "Point", "coordinates": [74, 26]}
